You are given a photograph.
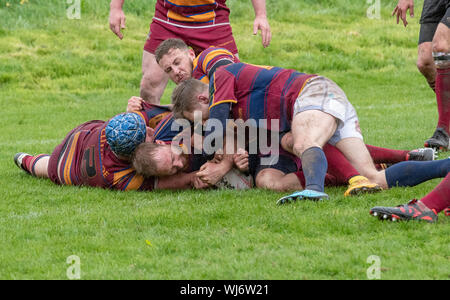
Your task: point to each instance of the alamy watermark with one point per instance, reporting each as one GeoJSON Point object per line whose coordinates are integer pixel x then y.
{"type": "Point", "coordinates": [73, 11]}
{"type": "Point", "coordinates": [374, 271]}
{"type": "Point", "coordinates": [374, 10]}
{"type": "Point", "coordinates": [74, 270]}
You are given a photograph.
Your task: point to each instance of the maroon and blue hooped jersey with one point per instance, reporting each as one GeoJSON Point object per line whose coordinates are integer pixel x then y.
{"type": "Point", "coordinates": [256, 92]}
{"type": "Point", "coordinates": [209, 60]}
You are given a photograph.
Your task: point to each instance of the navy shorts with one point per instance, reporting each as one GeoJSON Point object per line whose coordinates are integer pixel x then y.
{"type": "Point", "coordinates": [433, 13]}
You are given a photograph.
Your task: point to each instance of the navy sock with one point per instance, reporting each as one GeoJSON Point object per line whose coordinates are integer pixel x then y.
{"type": "Point", "coordinates": [314, 165]}
{"type": "Point", "coordinates": [411, 173]}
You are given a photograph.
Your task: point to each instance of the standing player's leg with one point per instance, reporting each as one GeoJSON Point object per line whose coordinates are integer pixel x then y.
{"type": "Point", "coordinates": [425, 62]}
{"type": "Point", "coordinates": [441, 54]}
{"type": "Point", "coordinates": [154, 80]}
{"type": "Point", "coordinates": [425, 209]}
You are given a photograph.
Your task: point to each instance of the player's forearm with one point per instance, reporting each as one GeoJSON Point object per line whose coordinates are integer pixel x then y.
{"type": "Point", "coordinates": [116, 4]}
{"type": "Point", "coordinates": [260, 8]}
{"type": "Point", "coordinates": [179, 181]}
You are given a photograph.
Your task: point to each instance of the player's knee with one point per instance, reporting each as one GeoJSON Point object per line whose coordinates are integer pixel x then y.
{"type": "Point", "coordinates": [424, 64]}
{"type": "Point", "coordinates": [267, 180]}
{"type": "Point", "coordinates": [441, 46]}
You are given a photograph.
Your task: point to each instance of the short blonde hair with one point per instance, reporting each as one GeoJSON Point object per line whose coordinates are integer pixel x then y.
{"type": "Point", "coordinates": [184, 96]}
{"type": "Point", "coordinates": [144, 159]}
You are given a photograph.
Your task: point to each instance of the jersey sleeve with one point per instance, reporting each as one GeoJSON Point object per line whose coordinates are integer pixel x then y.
{"type": "Point", "coordinates": [167, 129]}
{"type": "Point", "coordinates": [127, 180]}
{"type": "Point", "coordinates": [153, 114]}
{"type": "Point", "coordinates": [221, 89]}
{"type": "Point", "coordinates": [209, 60]}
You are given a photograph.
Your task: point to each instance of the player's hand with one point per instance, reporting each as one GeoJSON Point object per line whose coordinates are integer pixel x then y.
{"type": "Point", "coordinates": [400, 10]}
{"type": "Point", "coordinates": [198, 184]}
{"type": "Point", "coordinates": [117, 21]}
{"type": "Point", "coordinates": [262, 24]}
{"type": "Point", "coordinates": [150, 133]}
{"type": "Point", "coordinates": [211, 173]}
{"type": "Point", "coordinates": [240, 160]}
{"type": "Point", "coordinates": [134, 104]}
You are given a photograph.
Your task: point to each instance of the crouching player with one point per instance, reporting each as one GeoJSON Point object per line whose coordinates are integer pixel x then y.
{"type": "Point", "coordinates": [252, 92]}
{"type": "Point", "coordinates": [98, 154]}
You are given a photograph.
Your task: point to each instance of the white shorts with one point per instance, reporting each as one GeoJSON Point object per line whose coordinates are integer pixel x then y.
{"type": "Point", "coordinates": [321, 93]}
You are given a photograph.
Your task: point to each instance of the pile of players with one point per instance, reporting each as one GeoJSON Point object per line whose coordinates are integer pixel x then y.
{"type": "Point", "coordinates": [199, 141]}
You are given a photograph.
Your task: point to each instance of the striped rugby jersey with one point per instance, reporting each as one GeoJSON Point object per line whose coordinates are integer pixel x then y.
{"type": "Point", "coordinates": [256, 92]}
{"type": "Point", "coordinates": [192, 13]}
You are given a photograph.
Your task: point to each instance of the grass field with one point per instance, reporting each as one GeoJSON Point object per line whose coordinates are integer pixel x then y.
{"type": "Point", "coordinates": [56, 73]}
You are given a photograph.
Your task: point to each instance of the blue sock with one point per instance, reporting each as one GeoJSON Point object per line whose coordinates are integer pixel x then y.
{"type": "Point", "coordinates": [314, 165]}
{"type": "Point", "coordinates": [411, 173]}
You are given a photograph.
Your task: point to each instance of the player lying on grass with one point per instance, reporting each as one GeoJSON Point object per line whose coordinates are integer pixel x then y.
{"type": "Point", "coordinates": [180, 63]}
{"type": "Point", "coordinates": [313, 107]}
{"type": "Point", "coordinates": [99, 154]}
{"type": "Point", "coordinates": [425, 209]}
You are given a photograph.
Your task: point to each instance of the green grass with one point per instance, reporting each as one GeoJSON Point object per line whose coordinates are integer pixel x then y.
{"type": "Point", "coordinates": [56, 73]}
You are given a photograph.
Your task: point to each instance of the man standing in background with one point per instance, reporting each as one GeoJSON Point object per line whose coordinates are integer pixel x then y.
{"type": "Point", "coordinates": [434, 59]}
{"type": "Point", "coordinates": [200, 23]}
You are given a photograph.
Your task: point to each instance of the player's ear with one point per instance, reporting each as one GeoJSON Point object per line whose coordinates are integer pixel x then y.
{"type": "Point", "coordinates": [203, 99]}
{"type": "Point", "coordinates": [159, 142]}
{"type": "Point", "coordinates": [191, 54]}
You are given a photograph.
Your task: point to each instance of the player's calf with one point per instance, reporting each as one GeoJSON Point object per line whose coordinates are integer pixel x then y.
{"type": "Point", "coordinates": [33, 165]}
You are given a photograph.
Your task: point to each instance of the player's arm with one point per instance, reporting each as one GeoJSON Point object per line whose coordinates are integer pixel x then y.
{"type": "Point", "coordinates": [261, 22]}
{"type": "Point", "coordinates": [116, 17]}
{"type": "Point", "coordinates": [180, 181]}
{"type": "Point", "coordinates": [222, 97]}
{"type": "Point", "coordinates": [401, 9]}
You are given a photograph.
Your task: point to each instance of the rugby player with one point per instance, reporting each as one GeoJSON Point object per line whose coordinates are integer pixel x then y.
{"type": "Point", "coordinates": [200, 23]}
{"type": "Point", "coordinates": [433, 59]}
{"type": "Point", "coordinates": [99, 154]}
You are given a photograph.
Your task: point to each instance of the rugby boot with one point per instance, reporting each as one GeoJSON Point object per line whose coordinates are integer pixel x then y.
{"type": "Point", "coordinates": [18, 160]}
{"type": "Point", "coordinates": [414, 210]}
{"type": "Point", "coordinates": [303, 195]}
{"type": "Point", "coordinates": [361, 185]}
{"type": "Point", "coordinates": [439, 140]}
{"type": "Point", "coordinates": [422, 154]}
{"type": "Point", "coordinates": [447, 211]}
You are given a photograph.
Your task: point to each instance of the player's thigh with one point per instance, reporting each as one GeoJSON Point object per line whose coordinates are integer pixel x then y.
{"type": "Point", "coordinates": [441, 40]}
{"type": "Point", "coordinates": [151, 70]}
{"type": "Point", "coordinates": [312, 128]}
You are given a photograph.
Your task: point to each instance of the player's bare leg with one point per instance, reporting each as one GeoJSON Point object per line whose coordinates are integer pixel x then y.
{"type": "Point", "coordinates": [276, 180]}
{"type": "Point", "coordinates": [34, 165]}
{"type": "Point", "coordinates": [357, 154]}
{"type": "Point", "coordinates": [425, 63]}
{"type": "Point", "coordinates": [311, 130]}
{"type": "Point", "coordinates": [154, 80]}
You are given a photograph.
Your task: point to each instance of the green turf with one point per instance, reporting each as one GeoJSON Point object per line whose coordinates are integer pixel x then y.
{"type": "Point", "coordinates": [56, 73]}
